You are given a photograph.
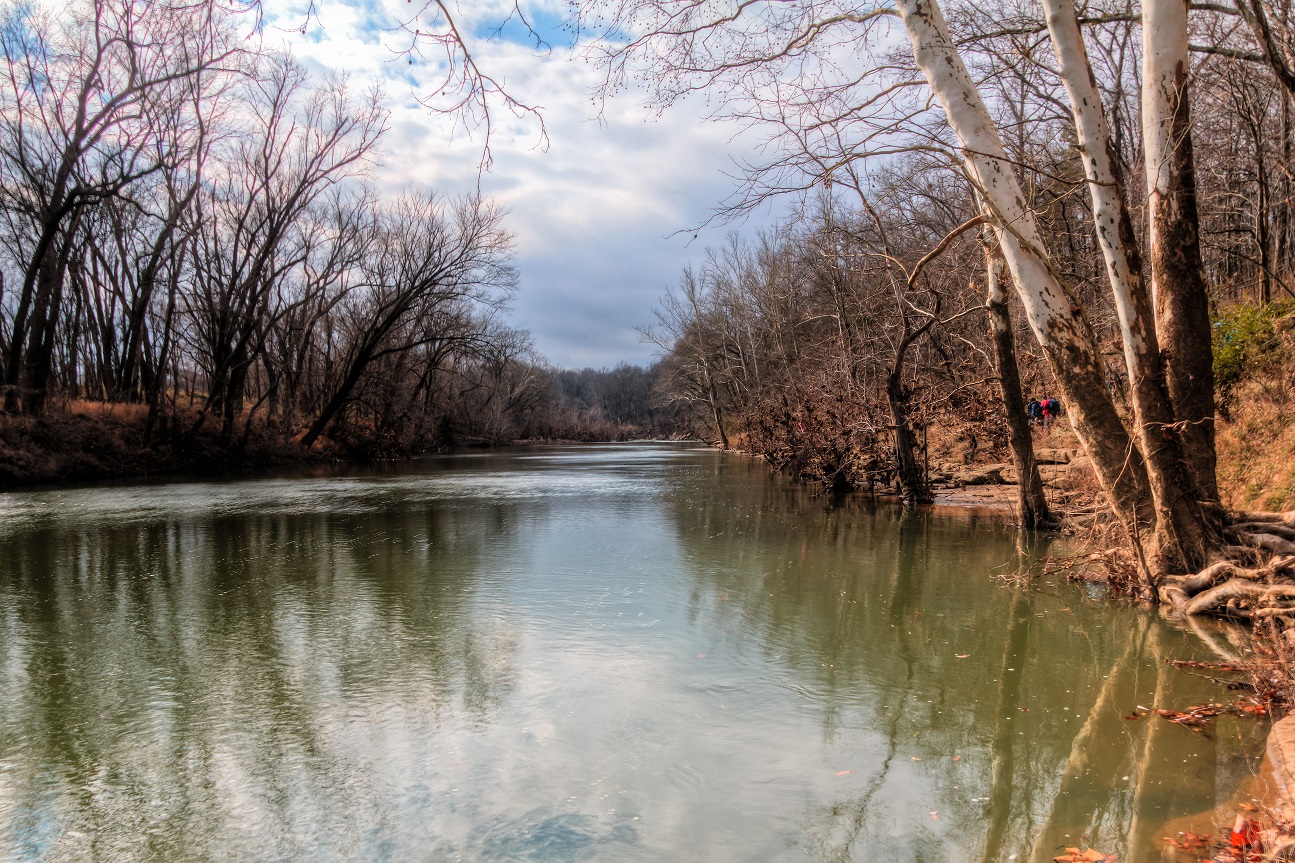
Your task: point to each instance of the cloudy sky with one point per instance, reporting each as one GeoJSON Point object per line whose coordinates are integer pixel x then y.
{"type": "Point", "coordinates": [597, 215]}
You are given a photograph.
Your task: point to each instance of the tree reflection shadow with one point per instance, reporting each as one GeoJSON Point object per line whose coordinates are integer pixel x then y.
{"type": "Point", "coordinates": [181, 689]}
{"type": "Point", "coordinates": [918, 655]}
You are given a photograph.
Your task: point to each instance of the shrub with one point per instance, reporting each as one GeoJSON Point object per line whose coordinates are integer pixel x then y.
{"type": "Point", "coordinates": [1244, 335]}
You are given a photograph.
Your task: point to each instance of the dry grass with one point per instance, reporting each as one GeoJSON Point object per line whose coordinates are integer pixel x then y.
{"type": "Point", "coordinates": [1256, 448]}
{"type": "Point", "coordinates": [1272, 666]}
{"type": "Point", "coordinates": [85, 441]}
{"type": "Point", "coordinates": [133, 414]}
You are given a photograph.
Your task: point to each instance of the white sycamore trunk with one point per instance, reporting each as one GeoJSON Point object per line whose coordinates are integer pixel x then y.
{"type": "Point", "coordinates": [1054, 314]}
{"type": "Point", "coordinates": [1104, 185]}
{"type": "Point", "coordinates": [1178, 284]}
{"type": "Point", "coordinates": [1178, 543]}
{"type": "Point", "coordinates": [1164, 61]}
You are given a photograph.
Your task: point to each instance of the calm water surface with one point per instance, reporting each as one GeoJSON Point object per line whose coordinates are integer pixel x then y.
{"type": "Point", "coordinates": [616, 653]}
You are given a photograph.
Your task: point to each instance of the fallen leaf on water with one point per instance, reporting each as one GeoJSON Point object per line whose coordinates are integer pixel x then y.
{"type": "Point", "coordinates": [1188, 841]}
{"type": "Point", "coordinates": [1195, 717]}
{"type": "Point", "coordinates": [1090, 855]}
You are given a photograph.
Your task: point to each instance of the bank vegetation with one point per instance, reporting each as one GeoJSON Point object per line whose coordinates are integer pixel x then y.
{"type": "Point", "coordinates": [997, 200]}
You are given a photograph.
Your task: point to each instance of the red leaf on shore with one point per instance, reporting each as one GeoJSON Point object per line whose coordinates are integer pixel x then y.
{"type": "Point", "coordinates": [1245, 835]}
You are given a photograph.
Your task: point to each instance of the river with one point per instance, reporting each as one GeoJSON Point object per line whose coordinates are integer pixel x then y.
{"type": "Point", "coordinates": [646, 652]}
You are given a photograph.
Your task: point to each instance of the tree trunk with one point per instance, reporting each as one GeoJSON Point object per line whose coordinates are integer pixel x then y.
{"type": "Point", "coordinates": [157, 381]}
{"type": "Point", "coordinates": [1283, 216]}
{"type": "Point", "coordinates": [712, 397]}
{"type": "Point", "coordinates": [341, 396]}
{"type": "Point", "coordinates": [1178, 284]}
{"type": "Point", "coordinates": [1263, 238]}
{"type": "Point", "coordinates": [1179, 530]}
{"type": "Point", "coordinates": [1054, 313]}
{"type": "Point", "coordinates": [1031, 504]}
{"type": "Point", "coordinates": [16, 364]}
{"type": "Point", "coordinates": [39, 358]}
{"type": "Point", "coordinates": [911, 486]}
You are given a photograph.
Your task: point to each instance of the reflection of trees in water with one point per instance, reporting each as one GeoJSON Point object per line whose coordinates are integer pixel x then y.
{"type": "Point", "coordinates": [868, 611]}
{"type": "Point", "coordinates": [261, 680]}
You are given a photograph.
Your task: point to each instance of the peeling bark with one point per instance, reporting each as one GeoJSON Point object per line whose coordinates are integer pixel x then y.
{"type": "Point", "coordinates": [1180, 532]}
{"type": "Point", "coordinates": [1054, 313]}
{"type": "Point", "coordinates": [1178, 284]}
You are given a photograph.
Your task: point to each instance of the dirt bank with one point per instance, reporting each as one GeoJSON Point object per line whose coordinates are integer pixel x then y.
{"type": "Point", "coordinates": [88, 444]}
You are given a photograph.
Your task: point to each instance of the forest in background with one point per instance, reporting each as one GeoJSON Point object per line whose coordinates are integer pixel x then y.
{"type": "Point", "coordinates": [197, 271]}
{"type": "Point", "coordinates": [867, 322]}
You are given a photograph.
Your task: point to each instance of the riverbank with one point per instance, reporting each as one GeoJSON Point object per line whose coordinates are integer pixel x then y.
{"type": "Point", "coordinates": [91, 442]}
{"type": "Point", "coordinates": [85, 442]}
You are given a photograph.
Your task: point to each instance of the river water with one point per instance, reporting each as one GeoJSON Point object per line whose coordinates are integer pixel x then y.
{"type": "Point", "coordinates": [646, 652]}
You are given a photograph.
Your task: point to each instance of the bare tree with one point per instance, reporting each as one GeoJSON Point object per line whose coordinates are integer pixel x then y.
{"type": "Point", "coordinates": [85, 98]}
{"type": "Point", "coordinates": [747, 58]}
{"type": "Point", "coordinates": [300, 143]}
{"type": "Point", "coordinates": [427, 259]}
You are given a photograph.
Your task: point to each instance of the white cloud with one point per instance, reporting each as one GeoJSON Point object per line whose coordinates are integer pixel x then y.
{"type": "Point", "coordinates": [594, 215]}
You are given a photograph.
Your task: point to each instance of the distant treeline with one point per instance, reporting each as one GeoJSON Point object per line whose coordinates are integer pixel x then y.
{"type": "Point", "coordinates": [605, 404]}
{"type": "Point", "coordinates": [189, 226]}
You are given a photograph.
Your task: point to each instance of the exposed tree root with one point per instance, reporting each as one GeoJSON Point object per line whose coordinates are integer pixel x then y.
{"type": "Point", "coordinates": [1286, 518]}
{"type": "Point", "coordinates": [1269, 542]}
{"type": "Point", "coordinates": [1252, 579]}
{"type": "Point", "coordinates": [1274, 528]}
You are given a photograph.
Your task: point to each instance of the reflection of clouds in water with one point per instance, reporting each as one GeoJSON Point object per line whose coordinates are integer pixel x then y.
{"type": "Point", "coordinates": [670, 656]}
{"type": "Point", "coordinates": [562, 837]}
{"type": "Point", "coordinates": [263, 729]}
{"type": "Point", "coordinates": [305, 497]}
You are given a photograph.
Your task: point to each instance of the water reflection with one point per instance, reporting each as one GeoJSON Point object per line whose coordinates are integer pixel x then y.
{"type": "Point", "coordinates": [970, 722]}
{"type": "Point", "coordinates": [614, 653]}
{"type": "Point", "coordinates": [172, 689]}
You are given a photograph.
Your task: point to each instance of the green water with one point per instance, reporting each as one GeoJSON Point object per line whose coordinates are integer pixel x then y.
{"type": "Point", "coordinates": [614, 653]}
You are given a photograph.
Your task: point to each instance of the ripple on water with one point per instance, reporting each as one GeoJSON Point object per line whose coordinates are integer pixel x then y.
{"type": "Point", "coordinates": [338, 495]}
{"type": "Point", "coordinates": [543, 835]}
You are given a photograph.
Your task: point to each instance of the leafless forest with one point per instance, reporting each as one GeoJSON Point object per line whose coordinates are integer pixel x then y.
{"type": "Point", "coordinates": [1123, 173]}
{"type": "Point", "coordinates": [191, 228]}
